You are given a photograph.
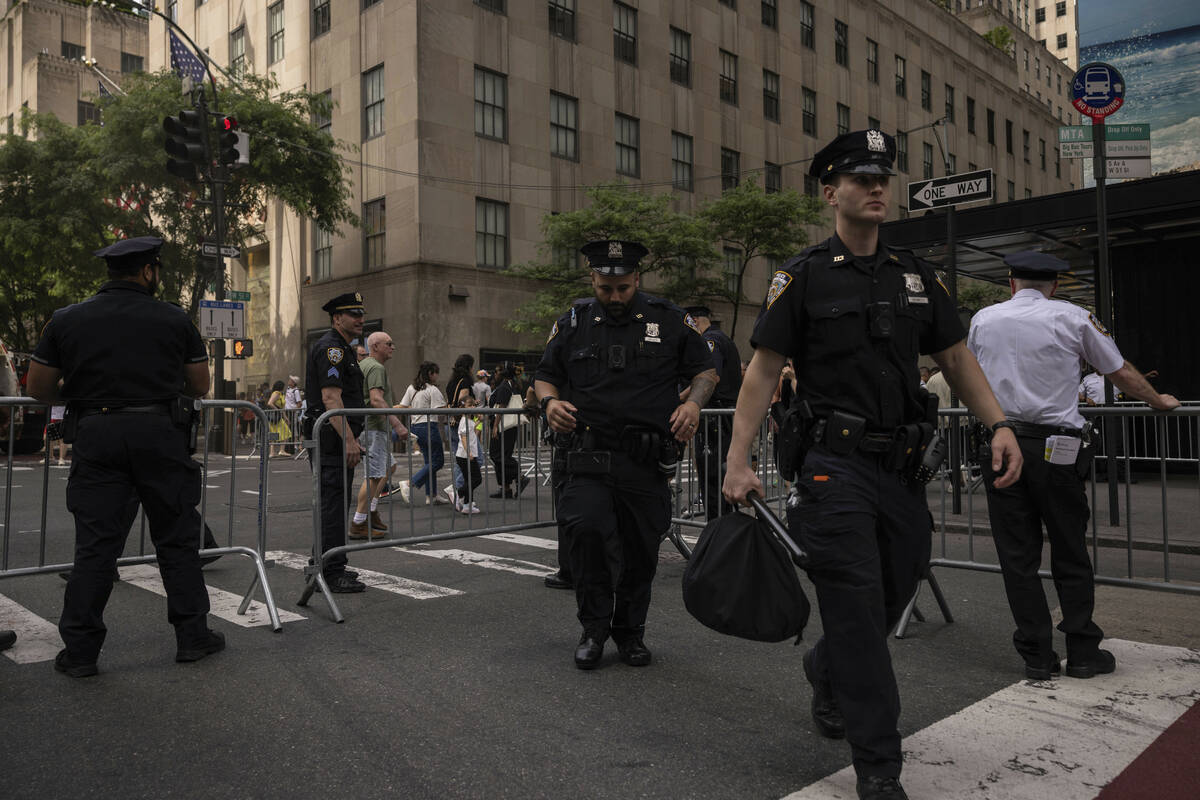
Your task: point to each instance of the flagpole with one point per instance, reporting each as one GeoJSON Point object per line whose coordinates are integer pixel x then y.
{"type": "Point", "coordinates": [92, 64]}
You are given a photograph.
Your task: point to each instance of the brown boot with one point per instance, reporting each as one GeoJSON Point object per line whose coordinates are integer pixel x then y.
{"type": "Point", "coordinates": [358, 530]}
{"type": "Point", "coordinates": [377, 522]}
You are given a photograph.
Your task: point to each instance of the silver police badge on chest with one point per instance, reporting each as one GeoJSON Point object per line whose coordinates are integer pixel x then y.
{"type": "Point", "coordinates": [915, 287]}
{"type": "Point", "coordinates": [652, 332]}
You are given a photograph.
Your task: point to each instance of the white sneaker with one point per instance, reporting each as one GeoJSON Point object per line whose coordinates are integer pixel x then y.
{"type": "Point", "coordinates": [449, 490]}
{"type": "Point", "coordinates": [406, 492]}
{"type": "Point", "coordinates": [437, 500]}
{"type": "Point", "coordinates": [476, 509]}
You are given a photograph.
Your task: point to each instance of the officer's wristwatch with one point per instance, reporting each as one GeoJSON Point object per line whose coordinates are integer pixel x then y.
{"type": "Point", "coordinates": [545, 403]}
{"type": "Point", "coordinates": [1004, 423]}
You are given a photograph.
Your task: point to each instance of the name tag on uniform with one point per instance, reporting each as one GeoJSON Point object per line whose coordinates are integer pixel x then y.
{"type": "Point", "coordinates": [1062, 449]}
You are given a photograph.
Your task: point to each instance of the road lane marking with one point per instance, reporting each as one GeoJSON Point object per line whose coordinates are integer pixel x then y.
{"type": "Point", "coordinates": [486, 561]}
{"type": "Point", "coordinates": [222, 604]}
{"type": "Point", "coordinates": [529, 541]}
{"type": "Point", "coordinates": [1036, 739]}
{"type": "Point", "coordinates": [37, 639]}
{"type": "Point", "coordinates": [417, 590]}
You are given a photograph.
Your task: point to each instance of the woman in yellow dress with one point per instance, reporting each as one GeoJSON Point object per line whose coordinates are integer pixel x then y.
{"type": "Point", "coordinates": [281, 432]}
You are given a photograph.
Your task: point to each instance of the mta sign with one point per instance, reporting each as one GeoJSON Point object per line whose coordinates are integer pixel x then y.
{"type": "Point", "coordinates": [951, 190]}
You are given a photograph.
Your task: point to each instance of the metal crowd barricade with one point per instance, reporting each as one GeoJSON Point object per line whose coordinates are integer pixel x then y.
{"type": "Point", "coordinates": [1158, 527]}
{"type": "Point", "coordinates": [504, 520]}
{"type": "Point", "coordinates": [283, 431]}
{"type": "Point", "coordinates": [57, 562]}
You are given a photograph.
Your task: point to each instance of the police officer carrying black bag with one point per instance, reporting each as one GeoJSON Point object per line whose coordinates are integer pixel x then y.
{"type": "Point", "coordinates": [333, 380]}
{"type": "Point", "coordinates": [621, 357]}
{"type": "Point", "coordinates": [854, 314]}
{"type": "Point", "coordinates": [131, 368]}
{"type": "Point", "coordinates": [712, 441]}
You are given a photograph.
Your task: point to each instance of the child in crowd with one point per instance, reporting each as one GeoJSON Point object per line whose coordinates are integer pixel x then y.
{"type": "Point", "coordinates": [466, 456]}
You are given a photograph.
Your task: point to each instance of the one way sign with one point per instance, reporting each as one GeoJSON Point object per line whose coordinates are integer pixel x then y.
{"type": "Point", "coordinates": [952, 190]}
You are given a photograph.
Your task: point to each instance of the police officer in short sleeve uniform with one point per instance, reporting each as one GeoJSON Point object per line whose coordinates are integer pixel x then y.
{"type": "Point", "coordinates": [130, 367]}
{"type": "Point", "coordinates": [713, 439]}
{"type": "Point", "coordinates": [854, 314]}
{"type": "Point", "coordinates": [334, 380]}
{"type": "Point", "coordinates": [1030, 348]}
{"type": "Point", "coordinates": [620, 359]}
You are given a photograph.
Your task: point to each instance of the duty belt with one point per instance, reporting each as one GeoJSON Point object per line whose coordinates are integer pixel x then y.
{"type": "Point", "coordinates": [159, 409]}
{"type": "Point", "coordinates": [1030, 431]}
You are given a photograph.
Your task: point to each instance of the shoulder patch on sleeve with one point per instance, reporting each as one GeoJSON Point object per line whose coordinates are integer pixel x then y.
{"type": "Point", "coordinates": [1098, 325]}
{"type": "Point", "coordinates": [334, 354]}
{"type": "Point", "coordinates": [779, 283]}
{"type": "Point", "coordinates": [711, 345]}
{"type": "Point", "coordinates": [937, 278]}
{"type": "Point", "coordinates": [691, 323]}
{"type": "Point", "coordinates": [553, 332]}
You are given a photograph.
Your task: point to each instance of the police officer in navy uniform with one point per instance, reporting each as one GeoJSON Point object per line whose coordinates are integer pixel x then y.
{"type": "Point", "coordinates": [333, 380]}
{"type": "Point", "coordinates": [130, 367]}
{"type": "Point", "coordinates": [854, 315]}
{"type": "Point", "coordinates": [1030, 348]}
{"type": "Point", "coordinates": [713, 439]}
{"type": "Point", "coordinates": [621, 357]}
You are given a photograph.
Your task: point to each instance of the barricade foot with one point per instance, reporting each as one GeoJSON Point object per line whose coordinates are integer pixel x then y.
{"type": "Point", "coordinates": [937, 595]}
{"type": "Point", "coordinates": [317, 581]}
{"type": "Point", "coordinates": [902, 625]}
{"type": "Point", "coordinates": [260, 578]}
{"type": "Point", "coordinates": [676, 537]}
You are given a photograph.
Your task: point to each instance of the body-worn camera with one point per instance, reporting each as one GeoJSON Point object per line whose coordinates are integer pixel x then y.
{"type": "Point", "coordinates": [616, 357]}
{"type": "Point", "coordinates": [881, 319]}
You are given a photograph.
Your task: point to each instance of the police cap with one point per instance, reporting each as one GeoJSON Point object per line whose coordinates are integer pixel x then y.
{"type": "Point", "coordinates": [130, 254]}
{"type": "Point", "coordinates": [869, 152]}
{"type": "Point", "coordinates": [699, 311]}
{"type": "Point", "coordinates": [612, 257]}
{"type": "Point", "coordinates": [348, 303]}
{"type": "Point", "coordinates": [1034, 266]}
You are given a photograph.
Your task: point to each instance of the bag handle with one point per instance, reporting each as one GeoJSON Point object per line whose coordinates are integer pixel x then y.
{"type": "Point", "coordinates": [799, 556]}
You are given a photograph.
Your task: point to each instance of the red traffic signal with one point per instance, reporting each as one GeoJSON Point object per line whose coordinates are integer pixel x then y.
{"type": "Point", "coordinates": [229, 124]}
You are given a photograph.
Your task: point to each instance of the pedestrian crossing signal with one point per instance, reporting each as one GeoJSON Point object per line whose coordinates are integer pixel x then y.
{"type": "Point", "coordinates": [243, 348]}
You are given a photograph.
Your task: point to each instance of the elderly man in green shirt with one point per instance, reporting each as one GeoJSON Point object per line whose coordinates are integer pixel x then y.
{"type": "Point", "coordinates": [376, 438]}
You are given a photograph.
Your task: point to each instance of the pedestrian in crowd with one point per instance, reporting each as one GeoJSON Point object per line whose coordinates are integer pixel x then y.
{"type": "Point", "coordinates": [481, 387]}
{"type": "Point", "coordinates": [262, 395]}
{"type": "Point", "coordinates": [467, 455]}
{"type": "Point", "coordinates": [281, 430]}
{"type": "Point", "coordinates": [130, 369]}
{"type": "Point", "coordinates": [712, 440]}
{"type": "Point", "coordinates": [54, 435]}
{"type": "Point", "coordinates": [360, 352]}
{"type": "Point", "coordinates": [1091, 387]}
{"type": "Point", "coordinates": [293, 396]}
{"type": "Point", "coordinates": [936, 385]}
{"type": "Point", "coordinates": [333, 380]}
{"type": "Point", "coordinates": [621, 358]}
{"type": "Point", "coordinates": [1030, 349]}
{"type": "Point", "coordinates": [925, 373]}
{"type": "Point", "coordinates": [245, 422]}
{"type": "Point", "coordinates": [460, 382]}
{"type": "Point", "coordinates": [424, 394]}
{"type": "Point", "coordinates": [854, 314]}
{"type": "Point", "coordinates": [376, 437]}
{"type": "Point", "coordinates": [505, 429]}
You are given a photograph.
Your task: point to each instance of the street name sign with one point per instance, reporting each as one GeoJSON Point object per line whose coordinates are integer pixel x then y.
{"type": "Point", "coordinates": [211, 250]}
{"type": "Point", "coordinates": [239, 295]}
{"type": "Point", "coordinates": [951, 190]}
{"type": "Point", "coordinates": [222, 319]}
{"type": "Point", "coordinates": [1127, 168]}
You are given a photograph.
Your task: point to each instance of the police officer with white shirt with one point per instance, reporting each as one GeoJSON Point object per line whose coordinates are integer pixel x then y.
{"type": "Point", "coordinates": [1030, 348]}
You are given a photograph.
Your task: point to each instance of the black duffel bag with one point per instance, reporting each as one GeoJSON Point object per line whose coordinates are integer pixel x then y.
{"type": "Point", "coordinates": [741, 578]}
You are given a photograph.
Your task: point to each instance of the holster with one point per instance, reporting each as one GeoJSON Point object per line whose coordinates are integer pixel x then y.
{"type": "Point", "coordinates": [70, 424]}
{"type": "Point", "coordinates": [185, 413]}
{"type": "Point", "coordinates": [1087, 450]}
{"type": "Point", "coordinates": [793, 438]}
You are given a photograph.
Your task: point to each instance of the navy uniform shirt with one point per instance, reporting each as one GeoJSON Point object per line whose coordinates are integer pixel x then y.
{"type": "Point", "coordinates": [662, 348]}
{"type": "Point", "coordinates": [332, 362]}
{"type": "Point", "coordinates": [121, 346]}
{"type": "Point", "coordinates": [817, 312]}
{"type": "Point", "coordinates": [728, 362]}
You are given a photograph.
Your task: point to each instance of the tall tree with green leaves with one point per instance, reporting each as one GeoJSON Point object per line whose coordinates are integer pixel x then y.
{"type": "Point", "coordinates": [752, 223]}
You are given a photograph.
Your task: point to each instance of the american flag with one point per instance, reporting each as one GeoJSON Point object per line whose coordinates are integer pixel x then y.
{"type": "Point", "coordinates": [184, 61]}
{"type": "Point", "coordinates": [103, 92]}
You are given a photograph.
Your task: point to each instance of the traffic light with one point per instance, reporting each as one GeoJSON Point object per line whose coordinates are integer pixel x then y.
{"type": "Point", "coordinates": [242, 348]}
{"type": "Point", "coordinates": [186, 144]}
{"type": "Point", "coordinates": [233, 146]}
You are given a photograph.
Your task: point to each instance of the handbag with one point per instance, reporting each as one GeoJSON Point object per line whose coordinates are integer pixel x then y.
{"type": "Point", "coordinates": [512, 420]}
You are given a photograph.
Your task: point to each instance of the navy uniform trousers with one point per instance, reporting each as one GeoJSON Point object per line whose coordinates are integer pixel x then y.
{"type": "Point", "coordinates": [335, 502]}
{"type": "Point", "coordinates": [868, 538]}
{"type": "Point", "coordinates": [1054, 494]}
{"type": "Point", "coordinates": [117, 455]}
{"type": "Point", "coordinates": [615, 523]}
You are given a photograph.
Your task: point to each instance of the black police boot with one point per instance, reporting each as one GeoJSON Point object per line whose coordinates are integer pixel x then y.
{"type": "Point", "coordinates": [7, 639]}
{"type": "Point", "coordinates": [825, 712]}
{"type": "Point", "coordinates": [1043, 672]}
{"type": "Point", "coordinates": [342, 583]}
{"type": "Point", "coordinates": [875, 787]}
{"type": "Point", "coordinates": [589, 651]}
{"type": "Point", "coordinates": [557, 580]}
{"type": "Point", "coordinates": [1102, 663]}
{"type": "Point", "coordinates": [211, 642]}
{"type": "Point", "coordinates": [76, 669]}
{"type": "Point", "coordinates": [633, 652]}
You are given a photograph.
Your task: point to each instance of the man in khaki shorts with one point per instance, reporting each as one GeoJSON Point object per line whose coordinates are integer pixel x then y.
{"type": "Point", "coordinates": [376, 436]}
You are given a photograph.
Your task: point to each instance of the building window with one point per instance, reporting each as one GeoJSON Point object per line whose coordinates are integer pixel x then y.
{"type": "Point", "coordinates": [1008, 136]}
{"type": "Point", "coordinates": [872, 61]}
{"type": "Point", "coordinates": [1060, 8]}
{"type": "Point", "coordinates": [564, 126]}
{"type": "Point", "coordinates": [627, 136]}
{"type": "Point", "coordinates": [926, 91]}
{"type": "Point", "coordinates": [926, 160]}
{"type": "Point", "coordinates": [1039, 15]}
{"type": "Point", "coordinates": [991, 126]}
{"type": "Point", "coordinates": [275, 32]}
{"type": "Point", "coordinates": [173, 10]}
{"type": "Point", "coordinates": [324, 123]}
{"type": "Point", "coordinates": [770, 95]}
{"type": "Point", "coordinates": [491, 100]}
{"type": "Point", "coordinates": [1012, 191]}
{"type": "Point", "coordinates": [491, 233]}
{"type": "Point", "coordinates": [949, 103]}
{"type": "Point", "coordinates": [87, 112]}
{"type": "Point", "coordinates": [374, 233]}
{"type": "Point", "coordinates": [901, 77]}
{"type": "Point", "coordinates": [873, 123]}
{"type": "Point", "coordinates": [843, 119]}
{"type": "Point", "coordinates": [841, 43]}
{"type": "Point", "coordinates": [951, 164]}
{"type": "Point", "coordinates": [812, 186]}
{"type": "Point", "coordinates": [728, 78]}
{"type": "Point", "coordinates": [492, 5]}
{"type": "Point", "coordinates": [731, 162]}
{"type": "Point", "coordinates": [806, 24]}
{"type": "Point", "coordinates": [681, 161]}
{"type": "Point", "coordinates": [1061, 42]}
{"type": "Point", "coordinates": [562, 19]}
{"type": "Point", "coordinates": [624, 33]}
{"type": "Point", "coordinates": [72, 51]}
{"type": "Point", "coordinates": [733, 265]}
{"type": "Point", "coordinates": [237, 52]}
{"type": "Point", "coordinates": [320, 17]}
{"type": "Point", "coordinates": [1057, 164]}
{"type": "Point", "coordinates": [772, 177]}
{"type": "Point", "coordinates": [809, 111]}
{"type": "Point", "coordinates": [970, 115]}
{"type": "Point", "coordinates": [322, 254]}
{"type": "Point", "coordinates": [1042, 153]}
{"type": "Point", "coordinates": [681, 57]}
{"type": "Point", "coordinates": [902, 151]}
{"type": "Point", "coordinates": [770, 13]}
{"type": "Point", "coordinates": [1025, 145]}
{"type": "Point", "coordinates": [372, 83]}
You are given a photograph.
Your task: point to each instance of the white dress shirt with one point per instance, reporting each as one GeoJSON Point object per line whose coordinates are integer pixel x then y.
{"type": "Point", "coordinates": [1030, 349]}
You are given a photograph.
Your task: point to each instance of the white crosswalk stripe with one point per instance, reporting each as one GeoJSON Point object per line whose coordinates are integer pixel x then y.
{"type": "Point", "coordinates": [222, 604]}
{"type": "Point", "coordinates": [37, 639]}
{"type": "Point", "coordinates": [528, 541]}
{"type": "Point", "coordinates": [417, 590]}
{"type": "Point", "coordinates": [484, 560]}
